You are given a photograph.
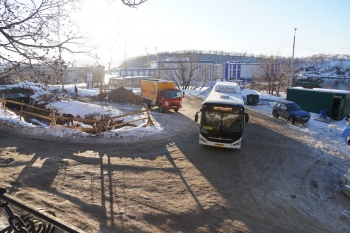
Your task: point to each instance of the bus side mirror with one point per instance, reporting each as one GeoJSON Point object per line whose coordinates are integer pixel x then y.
{"type": "Point", "coordinates": [196, 117]}
{"type": "Point", "coordinates": [246, 117]}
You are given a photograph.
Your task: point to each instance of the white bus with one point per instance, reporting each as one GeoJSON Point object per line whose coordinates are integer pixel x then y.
{"type": "Point", "coordinates": [222, 116]}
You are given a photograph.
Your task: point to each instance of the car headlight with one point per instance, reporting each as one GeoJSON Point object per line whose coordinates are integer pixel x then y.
{"type": "Point", "coordinates": [166, 103]}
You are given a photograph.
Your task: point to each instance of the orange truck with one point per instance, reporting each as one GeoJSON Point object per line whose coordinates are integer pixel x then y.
{"type": "Point", "coordinates": [161, 93]}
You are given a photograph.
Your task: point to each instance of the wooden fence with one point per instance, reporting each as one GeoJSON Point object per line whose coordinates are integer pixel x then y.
{"type": "Point", "coordinates": [98, 126]}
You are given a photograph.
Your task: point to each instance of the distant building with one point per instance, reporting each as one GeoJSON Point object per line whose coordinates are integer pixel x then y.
{"type": "Point", "coordinates": [134, 81]}
{"type": "Point", "coordinates": [213, 72]}
{"type": "Point", "coordinates": [218, 72]}
{"type": "Point", "coordinates": [127, 72]}
{"type": "Point", "coordinates": [47, 75]}
{"type": "Point", "coordinates": [205, 68]}
{"type": "Point", "coordinates": [128, 81]}
{"type": "Point", "coordinates": [241, 71]}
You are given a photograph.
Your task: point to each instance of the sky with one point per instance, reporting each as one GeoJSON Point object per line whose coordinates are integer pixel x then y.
{"type": "Point", "coordinates": [328, 137]}
{"type": "Point", "coordinates": [249, 27]}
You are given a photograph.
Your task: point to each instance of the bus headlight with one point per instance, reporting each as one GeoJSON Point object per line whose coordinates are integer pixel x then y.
{"type": "Point", "coordinates": [204, 130]}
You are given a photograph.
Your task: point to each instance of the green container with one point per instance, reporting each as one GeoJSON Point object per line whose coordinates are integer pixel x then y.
{"type": "Point", "coordinates": [336, 103]}
{"type": "Point", "coordinates": [252, 99]}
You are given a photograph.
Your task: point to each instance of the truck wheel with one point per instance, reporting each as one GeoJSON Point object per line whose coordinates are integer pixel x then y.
{"type": "Point", "coordinates": [161, 109]}
{"type": "Point", "coordinates": [147, 102]}
{"type": "Point", "coordinates": [176, 109]}
{"type": "Point", "coordinates": [275, 114]}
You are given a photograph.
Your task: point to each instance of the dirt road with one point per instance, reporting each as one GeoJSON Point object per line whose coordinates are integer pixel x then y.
{"type": "Point", "coordinates": [277, 182]}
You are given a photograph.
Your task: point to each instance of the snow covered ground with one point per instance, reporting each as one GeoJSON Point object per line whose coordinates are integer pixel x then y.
{"type": "Point", "coordinates": [326, 136]}
{"type": "Point", "coordinates": [76, 108]}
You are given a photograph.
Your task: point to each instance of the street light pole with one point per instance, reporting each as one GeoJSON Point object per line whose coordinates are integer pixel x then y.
{"type": "Point", "coordinates": [292, 61]}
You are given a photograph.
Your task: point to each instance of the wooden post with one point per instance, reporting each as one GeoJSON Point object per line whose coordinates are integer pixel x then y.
{"type": "Point", "coordinates": [149, 121]}
{"type": "Point", "coordinates": [20, 112]}
{"type": "Point", "coordinates": [3, 96]}
{"type": "Point", "coordinates": [101, 123]}
{"type": "Point", "coordinates": [2, 105]}
{"type": "Point", "coordinates": [53, 118]}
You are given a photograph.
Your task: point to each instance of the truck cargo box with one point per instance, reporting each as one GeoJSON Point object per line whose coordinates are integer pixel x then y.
{"type": "Point", "coordinates": [150, 88]}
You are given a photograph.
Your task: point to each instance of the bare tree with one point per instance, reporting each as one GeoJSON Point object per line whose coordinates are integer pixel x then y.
{"type": "Point", "coordinates": [282, 76]}
{"type": "Point", "coordinates": [187, 72]}
{"type": "Point", "coordinates": [35, 33]}
{"type": "Point", "coordinates": [272, 75]}
{"type": "Point", "coordinates": [133, 3]}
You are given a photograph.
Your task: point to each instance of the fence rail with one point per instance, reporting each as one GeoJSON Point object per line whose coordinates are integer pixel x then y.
{"type": "Point", "coordinates": [26, 223]}
{"type": "Point", "coordinates": [98, 126]}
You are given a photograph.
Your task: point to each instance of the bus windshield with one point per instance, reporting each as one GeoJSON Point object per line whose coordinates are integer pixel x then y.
{"type": "Point", "coordinates": [222, 119]}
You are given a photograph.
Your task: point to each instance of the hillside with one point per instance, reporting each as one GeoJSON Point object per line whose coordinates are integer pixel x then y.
{"type": "Point", "coordinates": [317, 65]}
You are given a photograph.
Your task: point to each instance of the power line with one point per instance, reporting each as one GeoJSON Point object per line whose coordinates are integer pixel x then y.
{"type": "Point", "coordinates": [323, 45]}
{"type": "Point", "coordinates": [260, 47]}
{"type": "Point", "coordinates": [321, 50]}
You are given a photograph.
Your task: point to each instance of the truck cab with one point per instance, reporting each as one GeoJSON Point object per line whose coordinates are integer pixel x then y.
{"type": "Point", "coordinates": [170, 99]}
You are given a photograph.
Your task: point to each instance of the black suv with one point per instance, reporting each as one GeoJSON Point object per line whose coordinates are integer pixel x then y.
{"type": "Point", "coordinates": [290, 111]}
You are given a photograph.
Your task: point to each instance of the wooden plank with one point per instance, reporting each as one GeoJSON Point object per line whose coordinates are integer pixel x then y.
{"type": "Point", "coordinates": [104, 124]}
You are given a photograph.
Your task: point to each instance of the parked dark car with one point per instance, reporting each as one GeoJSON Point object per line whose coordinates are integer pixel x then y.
{"type": "Point", "coordinates": [290, 111]}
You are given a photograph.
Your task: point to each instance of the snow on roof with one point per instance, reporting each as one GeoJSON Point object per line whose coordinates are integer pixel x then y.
{"type": "Point", "coordinates": [322, 90]}
{"type": "Point", "coordinates": [227, 87]}
{"type": "Point", "coordinates": [225, 93]}
{"type": "Point", "coordinates": [136, 77]}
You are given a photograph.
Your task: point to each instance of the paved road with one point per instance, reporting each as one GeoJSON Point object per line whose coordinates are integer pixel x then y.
{"type": "Point", "coordinates": [170, 183]}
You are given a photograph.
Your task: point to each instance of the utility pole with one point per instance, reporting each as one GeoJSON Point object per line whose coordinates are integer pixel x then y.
{"type": "Point", "coordinates": [148, 61]}
{"type": "Point", "coordinates": [158, 63]}
{"type": "Point", "coordinates": [125, 63]}
{"type": "Point", "coordinates": [292, 61]}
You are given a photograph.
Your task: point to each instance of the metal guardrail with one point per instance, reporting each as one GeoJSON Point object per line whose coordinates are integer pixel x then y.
{"type": "Point", "coordinates": [34, 221]}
